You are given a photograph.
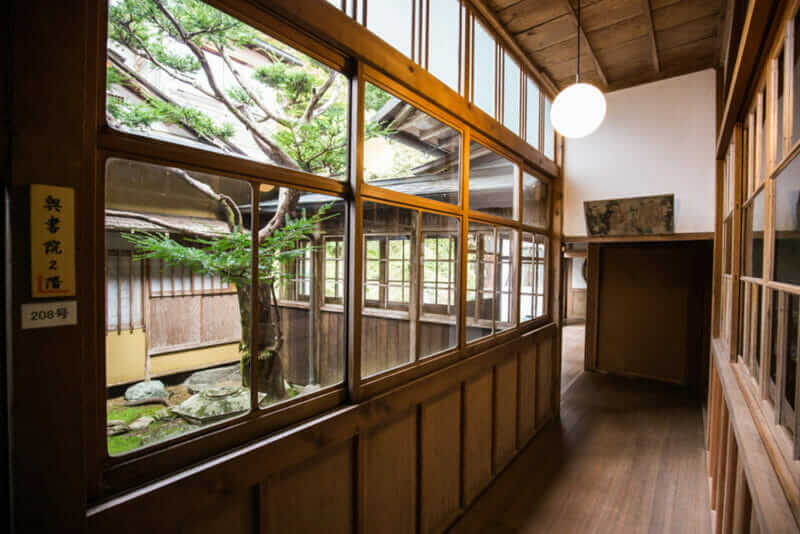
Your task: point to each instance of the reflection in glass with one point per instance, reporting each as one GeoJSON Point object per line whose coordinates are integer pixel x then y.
{"type": "Point", "coordinates": [533, 276]}
{"type": "Point", "coordinates": [511, 93]}
{"type": "Point", "coordinates": [241, 92]}
{"type": "Point", "coordinates": [757, 294]}
{"type": "Point", "coordinates": [484, 69]}
{"type": "Point", "coordinates": [480, 280]}
{"type": "Point", "coordinates": [408, 151]}
{"type": "Point", "coordinates": [438, 328]}
{"type": "Point", "coordinates": [532, 113]}
{"type": "Point", "coordinates": [754, 237]}
{"type": "Point", "coordinates": [491, 182]}
{"type": "Point", "coordinates": [299, 344]}
{"type": "Point", "coordinates": [773, 353]}
{"type": "Point", "coordinates": [787, 224]}
{"type": "Point", "coordinates": [534, 201]}
{"type": "Point", "coordinates": [505, 316]}
{"type": "Point", "coordinates": [390, 288]}
{"type": "Point", "coordinates": [178, 268]}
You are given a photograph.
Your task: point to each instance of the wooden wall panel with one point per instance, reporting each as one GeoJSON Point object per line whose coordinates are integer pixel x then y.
{"type": "Point", "coordinates": [544, 381]}
{"type": "Point", "coordinates": [440, 459]}
{"type": "Point", "coordinates": [526, 406]}
{"type": "Point", "coordinates": [316, 496]}
{"type": "Point", "coordinates": [477, 435]}
{"type": "Point", "coordinates": [390, 477]}
{"type": "Point", "coordinates": [505, 412]}
{"type": "Point", "coordinates": [233, 515]}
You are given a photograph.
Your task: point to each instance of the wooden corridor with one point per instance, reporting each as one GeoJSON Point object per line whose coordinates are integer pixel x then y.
{"type": "Point", "coordinates": [626, 457]}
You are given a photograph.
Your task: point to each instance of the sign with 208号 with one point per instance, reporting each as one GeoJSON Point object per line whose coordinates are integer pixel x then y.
{"type": "Point", "coordinates": [52, 241]}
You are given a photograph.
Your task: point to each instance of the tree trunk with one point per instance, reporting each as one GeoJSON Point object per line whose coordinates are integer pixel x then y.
{"type": "Point", "coordinates": [269, 368]}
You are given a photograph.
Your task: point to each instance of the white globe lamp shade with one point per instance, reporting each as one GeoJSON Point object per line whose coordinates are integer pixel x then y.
{"type": "Point", "coordinates": [578, 110]}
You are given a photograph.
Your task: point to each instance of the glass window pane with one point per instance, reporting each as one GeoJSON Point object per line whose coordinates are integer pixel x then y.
{"type": "Point", "coordinates": [444, 46]}
{"type": "Point", "coordinates": [511, 93]}
{"type": "Point", "coordinates": [491, 181]}
{"type": "Point", "coordinates": [534, 201]}
{"type": "Point", "coordinates": [779, 114]}
{"type": "Point", "coordinates": [391, 21]}
{"type": "Point", "coordinates": [762, 145]}
{"type": "Point", "coordinates": [160, 216]}
{"type": "Point", "coordinates": [532, 113]}
{"type": "Point", "coordinates": [408, 151]}
{"type": "Point", "coordinates": [484, 65]}
{"type": "Point", "coordinates": [773, 353]}
{"type": "Point", "coordinates": [533, 264]}
{"type": "Point", "coordinates": [506, 282]}
{"type": "Point", "coordinates": [300, 347]}
{"type": "Point", "coordinates": [757, 296]}
{"type": "Point", "coordinates": [438, 329]}
{"type": "Point", "coordinates": [480, 280]}
{"type": "Point", "coordinates": [251, 96]}
{"type": "Point", "coordinates": [390, 233]}
{"type": "Point", "coordinates": [787, 224]}
{"type": "Point", "coordinates": [549, 148]}
{"type": "Point", "coordinates": [754, 237]}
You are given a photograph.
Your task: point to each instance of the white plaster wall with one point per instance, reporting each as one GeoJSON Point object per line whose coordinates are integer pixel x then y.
{"type": "Point", "coordinates": [656, 139]}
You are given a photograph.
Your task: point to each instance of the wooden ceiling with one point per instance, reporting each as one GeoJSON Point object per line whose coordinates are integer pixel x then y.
{"type": "Point", "coordinates": [626, 42]}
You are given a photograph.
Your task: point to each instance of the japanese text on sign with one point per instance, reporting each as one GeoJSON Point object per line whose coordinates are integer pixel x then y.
{"type": "Point", "coordinates": [52, 241]}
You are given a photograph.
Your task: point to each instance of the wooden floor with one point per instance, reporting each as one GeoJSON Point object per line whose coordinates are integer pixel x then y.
{"type": "Point", "coordinates": [571, 354]}
{"type": "Point", "coordinates": [626, 457]}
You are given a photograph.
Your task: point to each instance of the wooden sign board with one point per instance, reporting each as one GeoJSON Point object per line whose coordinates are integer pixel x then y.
{"type": "Point", "coordinates": [52, 241]}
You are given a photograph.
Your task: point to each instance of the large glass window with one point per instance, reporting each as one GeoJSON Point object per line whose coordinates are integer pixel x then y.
{"type": "Point", "coordinates": [492, 181]}
{"type": "Point", "coordinates": [444, 43]}
{"type": "Point", "coordinates": [390, 260]}
{"type": "Point", "coordinates": [184, 72]}
{"type": "Point", "coordinates": [512, 80]}
{"type": "Point", "coordinates": [408, 151]}
{"type": "Point", "coordinates": [787, 224]}
{"type": "Point", "coordinates": [532, 113]}
{"type": "Point", "coordinates": [791, 349]}
{"type": "Point", "coordinates": [391, 20]}
{"type": "Point", "coordinates": [484, 67]}
{"type": "Point", "coordinates": [753, 257]}
{"type": "Point", "coordinates": [299, 347]}
{"type": "Point", "coordinates": [178, 267]}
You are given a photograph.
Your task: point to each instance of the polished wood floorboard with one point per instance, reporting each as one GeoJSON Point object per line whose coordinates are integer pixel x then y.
{"type": "Point", "coordinates": [626, 457]}
{"type": "Point", "coordinates": [572, 354]}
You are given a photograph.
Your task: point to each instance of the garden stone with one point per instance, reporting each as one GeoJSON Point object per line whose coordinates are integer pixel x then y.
{"type": "Point", "coordinates": [147, 390]}
{"type": "Point", "coordinates": [115, 427]}
{"type": "Point", "coordinates": [141, 423]}
{"type": "Point", "coordinates": [230, 375]}
{"type": "Point", "coordinates": [213, 404]}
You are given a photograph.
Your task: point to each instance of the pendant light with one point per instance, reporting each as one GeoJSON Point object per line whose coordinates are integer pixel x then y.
{"type": "Point", "coordinates": [579, 109]}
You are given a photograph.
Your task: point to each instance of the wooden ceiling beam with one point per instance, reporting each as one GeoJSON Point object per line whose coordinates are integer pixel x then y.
{"type": "Point", "coordinates": [508, 41]}
{"type": "Point", "coordinates": [647, 10]}
{"type": "Point", "coordinates": [597, 66]}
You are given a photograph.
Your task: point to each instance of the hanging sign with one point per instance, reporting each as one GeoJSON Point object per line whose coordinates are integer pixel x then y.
{"type": "Point", "coordinates": [52, 241]}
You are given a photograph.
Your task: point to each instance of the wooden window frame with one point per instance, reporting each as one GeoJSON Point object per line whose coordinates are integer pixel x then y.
{"type": "Point", "coordinates": [106, 475]}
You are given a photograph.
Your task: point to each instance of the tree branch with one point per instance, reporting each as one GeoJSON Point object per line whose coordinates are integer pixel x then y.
{"type": "Point", "coordinates": [287, 202]}
{"type": "Point", "coordinates": [157, 93]}
{"type": "Point", "coordinates": [162, 222]}
{"type": "Point", "coordinates": [234, 218]}
{"type": "Point", "coordinates": [316, 96]}
{"type": "Point", "coordinates": [252, 94]}
{"type": "Point", "coordinates": [276, 153]}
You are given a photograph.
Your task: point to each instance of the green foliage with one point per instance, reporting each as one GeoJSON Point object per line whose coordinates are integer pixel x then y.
{"type": "Point", "coordinates": [181, 63]}
{"type": "Point", "coordinates": [114, 77]}
{"type": "Point", "coordinates": [123, 443]}
{"type": "Point", "coordinates": [129, 414]}
{"type": "Point", "coordinates": [229, 256]}
{"type": "Point", "coordinates": [140, 115]}
{"type": "Point", "coordinates": [375, 97]}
